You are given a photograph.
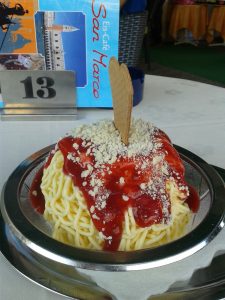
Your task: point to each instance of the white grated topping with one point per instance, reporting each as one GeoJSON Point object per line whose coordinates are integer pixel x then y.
{"type": "Point", "coordinates": [107, 141]}
{"type": "Point", "coordinates": [94, 216]}
{"type": "Point", "coordinates": [34, 193]}
{"type": "Point", "coordinates": [85, 173]}
{"type": "Point", "coordinates": [76, 146]}
{"type": "Point", "coordinates": [125, 198]}
{"type": "Point", "coordinates": [92, 209]}
{"type": "Point", "coordinates": [157, 159]}
{"type": "Point", "coordinates": [122, 180]}
{"type": "Point", "coordinates": [143, 186]}
{"type": "Point", "coordinates": [103, 237]}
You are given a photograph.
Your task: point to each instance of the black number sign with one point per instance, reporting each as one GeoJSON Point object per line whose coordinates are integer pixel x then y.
{"type": "Point", "coordinates": [46, 90]}
{"type": "Point", "coordinates": [28, 88]}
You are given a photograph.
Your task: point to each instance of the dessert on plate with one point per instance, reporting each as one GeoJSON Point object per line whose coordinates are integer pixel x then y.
{"type": "Point", "coordinates": [99, 193]}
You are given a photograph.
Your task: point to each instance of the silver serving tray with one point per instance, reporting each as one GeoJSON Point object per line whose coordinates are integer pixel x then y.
{"type": "Point", "coordinates": [26, 240]}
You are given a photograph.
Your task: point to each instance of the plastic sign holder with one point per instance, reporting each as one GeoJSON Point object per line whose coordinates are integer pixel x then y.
{"type": "Point", "coordinates": [37, 95]}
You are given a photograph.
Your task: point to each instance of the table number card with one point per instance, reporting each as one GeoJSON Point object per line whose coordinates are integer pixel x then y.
{"type": "Point", "coordinates": [37, 90]}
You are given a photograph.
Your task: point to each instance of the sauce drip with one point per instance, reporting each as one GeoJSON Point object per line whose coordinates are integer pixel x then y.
{"type": "Point", "coordinates": [35, 194]}
{"type": "Point", "coordinates": [120, 185]}
{"type": "Point", "coordinates": [193, 200]}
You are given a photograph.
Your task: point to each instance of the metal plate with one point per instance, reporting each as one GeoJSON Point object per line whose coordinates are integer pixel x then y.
{"type": "Point", "coordinates": [73, 286]}
{"type": "Point", "coordinates": [23, 242]}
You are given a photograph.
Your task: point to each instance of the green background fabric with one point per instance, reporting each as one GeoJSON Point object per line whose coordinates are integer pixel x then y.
{"type": "Point", "coordinates": [206, 62]}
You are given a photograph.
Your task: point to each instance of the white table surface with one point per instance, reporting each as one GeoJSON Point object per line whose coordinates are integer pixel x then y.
{"type": "Point", "coordinates": [191, 113]}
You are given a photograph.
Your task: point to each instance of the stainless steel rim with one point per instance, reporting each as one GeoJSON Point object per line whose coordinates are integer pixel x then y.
{"type": "Point", "coordinates": [43, 245]}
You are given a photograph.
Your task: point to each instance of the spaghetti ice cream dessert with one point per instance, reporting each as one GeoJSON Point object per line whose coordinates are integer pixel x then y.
{"type": "Point", "coordinates": [99, 193]}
